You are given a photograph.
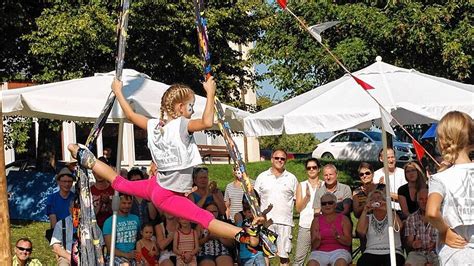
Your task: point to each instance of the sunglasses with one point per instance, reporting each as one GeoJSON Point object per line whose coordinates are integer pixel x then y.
{"type": "Point", "coordinates": [309, 168]}
{"type": "Point", "coordinates": [366, 173]}
{"type": "Point", "coordinates": [25, 249]}
{"type": "Point", "coordinates": [324, 203]}
{"type": "Point", "coordinates": [280, 158]}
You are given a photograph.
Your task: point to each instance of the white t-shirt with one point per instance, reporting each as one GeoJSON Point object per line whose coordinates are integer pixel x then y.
{"type": "Point", "coordinates": [279, 191]}
{"type": "Point", "coordinates": [397, 179]}
{"type": "Point", "coordinates": [175, 153]}
{"type": "Point", "coordinates": [307, 214]}
{"type": "Point", "coordinates": [456, 185]}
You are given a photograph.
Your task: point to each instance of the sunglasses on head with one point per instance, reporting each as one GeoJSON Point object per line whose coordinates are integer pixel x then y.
{"type": "Point", "coordinates": [365, 173]}
{"type": "Point", "coordinates": [324, 203]}
{"type": "Point", "coordinates": [311, 168]}
{"type": "Point", "coordinates": [280, 158]}
{"type": "Point", "coordinates": [25, 249]}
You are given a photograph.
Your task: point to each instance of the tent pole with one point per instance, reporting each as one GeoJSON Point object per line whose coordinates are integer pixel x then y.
{"type": "Point", "coordinates": [391, 237]}
{"type": "Point", "coordinates": [5, 251]}
{"type": "Point", "coordinates": [116, 198]}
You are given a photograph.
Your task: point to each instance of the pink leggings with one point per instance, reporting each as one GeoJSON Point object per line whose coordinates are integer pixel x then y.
{"type": "Point", "coordinates": [168, 201]}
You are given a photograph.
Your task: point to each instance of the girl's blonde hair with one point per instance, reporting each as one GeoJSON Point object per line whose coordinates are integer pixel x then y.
{"type": "Point", "coordinates": [176, 93]}
{"type": "Point", "coordinates": [455, 132]}
{"type": "Point", "coordinates": [420, 175]}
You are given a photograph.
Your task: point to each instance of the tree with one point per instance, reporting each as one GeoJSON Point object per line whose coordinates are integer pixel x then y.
{"type": "Point", "coordinates": [16, 19]}
{"type": "Point", "coordinates": [430, 37]}
{"type": "Point", "coordinates": [298, 143]}
{"type": "Point", "coordinates": [72, 42]}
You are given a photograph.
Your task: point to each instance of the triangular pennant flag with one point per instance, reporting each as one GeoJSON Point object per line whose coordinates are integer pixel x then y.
{"type": "Point", "coordinates": [419, 150]}
{"type": "Point", "coordinates": [282, 3]}
{"type": "Point", "coordinates": [316, 30]}
{"type": "Point", "coordinates": [362, 83]}
{"type": "Point", "coordinates": [386, 119]}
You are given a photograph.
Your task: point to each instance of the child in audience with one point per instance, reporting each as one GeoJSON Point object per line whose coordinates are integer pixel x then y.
{"type": "Point", "coordinates": [146, 249]}
{"type": "Point", "coordinates": [185, 244]}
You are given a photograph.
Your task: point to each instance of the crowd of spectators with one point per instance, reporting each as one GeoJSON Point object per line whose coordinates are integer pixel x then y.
{"type": "Point", "coordinates": [325, 228]}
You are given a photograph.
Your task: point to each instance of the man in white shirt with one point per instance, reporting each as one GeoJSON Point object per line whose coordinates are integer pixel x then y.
{"type": "Point", "coordinates": [277, 186]}
{"type": "Point", "coordinates": [396, 174]}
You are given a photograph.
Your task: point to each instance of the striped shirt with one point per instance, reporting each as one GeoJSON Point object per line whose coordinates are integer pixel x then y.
{"type": "Point", "coordinates": [185, 241]}
{"type": "Point", "coordinates": [234, 195]}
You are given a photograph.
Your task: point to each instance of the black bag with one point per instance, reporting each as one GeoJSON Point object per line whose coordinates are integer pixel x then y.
{"type": "Point", "coordinates": [49, 234]}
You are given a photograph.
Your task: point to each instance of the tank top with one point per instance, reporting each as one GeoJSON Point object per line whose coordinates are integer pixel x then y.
{"type": "Point", "coordinates": [185, 241]}
{"type": "Point", "coordinates": [328, 241]}
{"type": "Point", "coordinates": [307, 214]}
{"type": "Point", "coordinates": [377, 237]}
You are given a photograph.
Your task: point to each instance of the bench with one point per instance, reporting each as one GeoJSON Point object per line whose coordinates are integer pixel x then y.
{"type": "Point", "coordinates": [213, 151]}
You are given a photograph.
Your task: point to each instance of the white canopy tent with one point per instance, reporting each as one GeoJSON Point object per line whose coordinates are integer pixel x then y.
{"type": "Point", "coordinates": [83, 99]}
{"type": "Point", "coordinates": [411, 97]}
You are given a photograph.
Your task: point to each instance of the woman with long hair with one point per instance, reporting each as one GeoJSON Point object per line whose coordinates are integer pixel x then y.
{"type": "Point", "coordinates": [407, 193]}
{"type": "Point", "coordinates": [451, 190]}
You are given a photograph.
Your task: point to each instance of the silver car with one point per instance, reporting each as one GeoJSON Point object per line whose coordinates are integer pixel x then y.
{"type": "Point", "coordinates": [355, 145]}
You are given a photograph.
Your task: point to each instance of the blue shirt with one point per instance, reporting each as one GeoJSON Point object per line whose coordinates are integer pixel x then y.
{"type": "Point", "coordinates": [245, 253]}
{"type": "Point", "coordinates": [127, 230]}
{"type": "Point", "coordinates": [55, 204]}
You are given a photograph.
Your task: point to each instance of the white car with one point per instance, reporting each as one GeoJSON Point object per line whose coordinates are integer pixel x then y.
{"type": "Point", "coordinates": [355, 145]}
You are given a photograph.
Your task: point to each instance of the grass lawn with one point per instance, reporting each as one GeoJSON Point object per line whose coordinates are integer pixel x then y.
{"type": "Point", "coordinates": [221, 173]}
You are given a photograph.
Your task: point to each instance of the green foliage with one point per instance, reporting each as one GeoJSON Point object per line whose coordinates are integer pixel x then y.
{"type": "Point", "coordinates": [72, 42]}
{"type": "Point", "coordinates": [16, 19]}
{"type": "Point", "coordinates": [298, 143]}
{"type": "Point", "coordinates": [264, 101]}
{"type": "Point", "coordinates": [431, 37]}
{"type": "Point", "coordinates": [16, 131]}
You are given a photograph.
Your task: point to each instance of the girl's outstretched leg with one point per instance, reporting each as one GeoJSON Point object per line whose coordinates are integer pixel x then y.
{"type": "Point", "coordinates": [88, 160]}
{"type": "Point", "coordinates": [226, 230]}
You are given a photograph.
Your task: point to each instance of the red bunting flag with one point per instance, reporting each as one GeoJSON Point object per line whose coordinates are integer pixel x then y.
{"type": "Point", "coordinates": [282, 3]}
{"type": "Point", "coordinates": [362, 83]}
{"type": "Point", "coordinates": [419, 150]}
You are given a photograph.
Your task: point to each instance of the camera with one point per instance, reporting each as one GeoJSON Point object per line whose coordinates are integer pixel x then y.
{"type": "Point", "coordinates": [375, 204]}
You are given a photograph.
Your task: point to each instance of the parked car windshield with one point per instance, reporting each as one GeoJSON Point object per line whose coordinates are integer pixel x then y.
{"type": "Point", "coordinates": [377, 136]}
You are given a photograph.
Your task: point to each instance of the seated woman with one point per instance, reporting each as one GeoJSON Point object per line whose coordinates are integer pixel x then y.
{"type": "Point", "coordinates": [373, 224]}
{"type": "Point", "coordinates": [407, 193]}
{"type": "Point", "coordinates": [214, 250]}
{"type": "Point", "coordinates": [331, 235]}
{"type": "Point", "coordinates": [206, 192]}
{"type": "Point", "coordinates": [366, 175]}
